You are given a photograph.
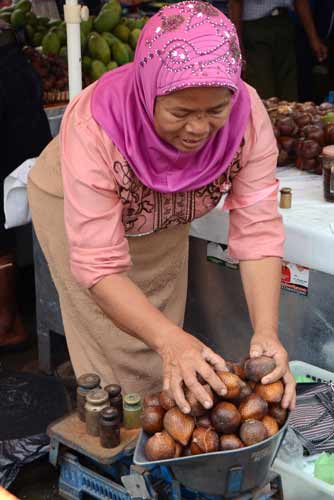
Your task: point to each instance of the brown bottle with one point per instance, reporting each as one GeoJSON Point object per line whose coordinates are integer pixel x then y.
{"type": "Point", "coordinates": [115, 398]}
{"type": "Point", "coordinates": [328, 172]}
{"type": "Point", "coordinates": [110, 436]}
{"type": "Point", "coordinates": [86, 383]}
{"type": "Point", "coordinates": [96, 401]}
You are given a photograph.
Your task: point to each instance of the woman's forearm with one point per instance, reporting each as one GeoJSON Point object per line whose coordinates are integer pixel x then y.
{"type": "Point", "coordinates": [126, 305]}
{"type": "Point", "coordinates": [261, 282]}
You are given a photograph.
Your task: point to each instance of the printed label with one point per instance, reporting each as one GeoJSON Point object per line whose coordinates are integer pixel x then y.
{"type": "Point", "coordinates": [295, 278]}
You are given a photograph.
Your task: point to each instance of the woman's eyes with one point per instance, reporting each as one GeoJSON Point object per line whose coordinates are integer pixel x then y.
{"type": "Point", "coordinates": [180, 115]}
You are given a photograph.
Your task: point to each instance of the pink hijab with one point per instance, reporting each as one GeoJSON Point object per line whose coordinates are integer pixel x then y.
{"type": "Point", "coordinates": [187, 44]}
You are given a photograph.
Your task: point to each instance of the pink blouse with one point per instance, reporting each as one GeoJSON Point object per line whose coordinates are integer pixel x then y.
{"type": "Point", "coordinates": [105, 203]}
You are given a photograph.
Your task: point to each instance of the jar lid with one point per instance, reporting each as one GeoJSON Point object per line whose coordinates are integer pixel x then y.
{"type": "Point", "coordinates": [110, 414]}
{"type": "Point", "coordinates": [89, 380]}
{"type": "Point", "coordinates": [286, 190]}
{"type": "Point", "coordinates": [116, 400]}
{"type": "Point", "coordinates": [97, 396]}
{"type": "Point", "coordinates": [328, 151]}
{"type": "Point", "coordinates": [132, 399]}
{"type": "Point", "coordinates": [113, 390]}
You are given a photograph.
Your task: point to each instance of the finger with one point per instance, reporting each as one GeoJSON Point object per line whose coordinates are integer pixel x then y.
{"type": "Point", "coordinates": [290, 390]}
{"type": "Point", "coordinates": [176, 389]}
{"type": "Point", "coordinates": [214, 359]}
{"type": "Point", "coordinates": [281, 360]}
{"type": "Point", "coordinates": [212, 378]}
{"type": "Point", "coordinates": [256, 350]}
{"type": "Point", "coordinates": [197, 389]}
{"type": "Point", "coordinates": [166, 377]}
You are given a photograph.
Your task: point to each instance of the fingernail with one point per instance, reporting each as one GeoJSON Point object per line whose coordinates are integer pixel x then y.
{"type": "Point", "coordinates": [207, 404]}
{"type": "Point", "coordinates": [223, 392]}
{"type": "Point", "coordinates": [185, 409]}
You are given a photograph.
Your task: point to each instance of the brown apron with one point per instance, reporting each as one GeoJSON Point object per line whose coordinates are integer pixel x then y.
{"type": "Point", "coordinates": [160, 266]}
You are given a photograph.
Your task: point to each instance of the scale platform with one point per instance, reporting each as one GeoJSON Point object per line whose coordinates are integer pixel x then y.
{"type": "Point", "coordinates": [88, 471]}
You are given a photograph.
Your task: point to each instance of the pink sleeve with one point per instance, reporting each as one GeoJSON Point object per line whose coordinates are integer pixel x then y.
{"type": "Point", "coordinates": [256, 228]}
{"type": "Point", "coordinates": [92, 207]}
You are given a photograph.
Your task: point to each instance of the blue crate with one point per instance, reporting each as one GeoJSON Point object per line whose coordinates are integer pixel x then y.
{"type": "Point", "coordinates": [75, 480]}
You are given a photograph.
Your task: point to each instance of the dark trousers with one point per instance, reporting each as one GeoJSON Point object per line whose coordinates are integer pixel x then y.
{"type": "Point", "coordinates": [24, 128]}
{"type": "Point", "coordinates": [270, 56]}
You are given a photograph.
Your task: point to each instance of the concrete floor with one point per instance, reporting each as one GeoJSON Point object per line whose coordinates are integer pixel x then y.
{"type": "Point", "coordinates": [36, 481]}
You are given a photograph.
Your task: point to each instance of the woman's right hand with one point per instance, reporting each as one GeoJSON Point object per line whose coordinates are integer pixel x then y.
{"type": "Point", "coordinates": [184, 358]}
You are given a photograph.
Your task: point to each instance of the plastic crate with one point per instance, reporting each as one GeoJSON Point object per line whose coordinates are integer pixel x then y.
{"type": "Point", "coordinates": [296, 484]}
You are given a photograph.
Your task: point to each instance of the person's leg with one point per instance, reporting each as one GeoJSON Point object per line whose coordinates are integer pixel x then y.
{"type": "Point", "coordinates": [284, 53]}
{"type": "Point", "coordinates": [257, 40]}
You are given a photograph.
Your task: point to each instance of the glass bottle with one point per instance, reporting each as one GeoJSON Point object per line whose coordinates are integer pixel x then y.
{"type": "Point", "coordinates": [286, 198]}
{"type": "Point", "coordinates": [132, 408]}
{"type": "Point", "coordinates": [328, 172]}
{"type": "Point", "coordinates": [96, 401]}
{"type": "Point", "coordinates": [110, 436]}
{"type": "Point", "coordinates": [115, 398]}
{"type": "Point", "coordinates": [86, 383]}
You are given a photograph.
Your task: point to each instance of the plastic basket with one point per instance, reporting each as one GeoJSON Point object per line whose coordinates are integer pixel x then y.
{"type": "Point", "coordinates": [296, 484]}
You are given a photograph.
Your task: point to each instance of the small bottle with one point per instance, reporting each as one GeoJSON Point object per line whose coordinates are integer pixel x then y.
{"type": "Point", "coordinates": [115, 398]}
{"type": "Point", "coordinates": [96, 401]}
{"type": "Point", "coordinates": [86, 383]}
{"type": "Point", "coordinates": [286, 198]}
{"type": "Point", "coordinates": [328, 172]}
{"type": "Point", "coordinates": [132, 408]}
{"type": "Point", "coordinates": [110, 435]}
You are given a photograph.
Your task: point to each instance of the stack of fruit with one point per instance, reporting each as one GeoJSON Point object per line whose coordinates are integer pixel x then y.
{"type": "Point", "coordinates": [249, 413]}
{"type": "Point", "coordinates": [301, 130]}
{"type": "Point", "coordinates": [107, 41]}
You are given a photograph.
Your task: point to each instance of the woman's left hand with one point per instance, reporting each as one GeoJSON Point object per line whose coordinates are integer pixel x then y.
{"type": "Point", "coordinates": [267, 344]}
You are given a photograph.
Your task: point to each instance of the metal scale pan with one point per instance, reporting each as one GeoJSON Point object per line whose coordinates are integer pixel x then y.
{"type": "Point", "coordinates": [226, 473]}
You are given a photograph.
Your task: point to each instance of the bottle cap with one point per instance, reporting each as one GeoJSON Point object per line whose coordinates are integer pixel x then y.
{"type": "Point", "coordinates": [113, 390]}
{"type": "Point", "coordinates": [110, 414]}
{"type": "Point", "coordinates": [88, 381]}
{"type": "Point", "coordinates": [286, 190]}
{"type": "Point", "coordinates": [132, 399]}
{"type": "Point", "coordinates": [97, 396]}
{"type": "Point", "coordinates": [328, 151]}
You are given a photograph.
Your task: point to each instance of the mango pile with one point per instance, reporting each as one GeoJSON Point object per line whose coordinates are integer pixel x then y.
{"type": "Point", "coordinates": [108, 40]}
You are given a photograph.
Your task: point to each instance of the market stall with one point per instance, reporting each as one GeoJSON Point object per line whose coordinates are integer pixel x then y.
{"type": "Point", "coordinates": [307, 318]}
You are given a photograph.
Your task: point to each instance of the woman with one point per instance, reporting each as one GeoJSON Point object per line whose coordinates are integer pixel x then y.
{"type": "Point", "coordinates": [144, 151]}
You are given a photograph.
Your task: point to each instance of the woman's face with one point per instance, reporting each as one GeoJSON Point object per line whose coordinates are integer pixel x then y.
{"type": "Point", "coordinates": [187, 118]}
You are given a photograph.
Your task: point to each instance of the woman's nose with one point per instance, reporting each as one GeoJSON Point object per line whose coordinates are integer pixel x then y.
{"type": "Point", "coordinates": [198, 125]}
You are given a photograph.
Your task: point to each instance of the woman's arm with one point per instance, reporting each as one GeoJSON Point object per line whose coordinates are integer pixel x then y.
{"type": "Point", "coordinates": [256, 239]}
{"type": "Point", "coordinates": [183, 355]}
{"type": "Point", "coordinates": [261, 282]}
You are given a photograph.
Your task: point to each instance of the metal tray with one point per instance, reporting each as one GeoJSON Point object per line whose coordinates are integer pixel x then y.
{"type": "Point", "coordinates": [227, 473]}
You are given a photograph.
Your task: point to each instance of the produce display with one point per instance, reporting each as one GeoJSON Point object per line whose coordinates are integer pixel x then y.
{"type": "Point", "coordinates": [249, 413]}
{"type": "Point", "coordinates": [108, 40]}
{"type": "Point", "coordinates": [301, 130]}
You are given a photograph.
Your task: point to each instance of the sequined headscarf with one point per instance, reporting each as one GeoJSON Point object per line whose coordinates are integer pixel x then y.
{"type": "Point", "coordinates": [187, 44]}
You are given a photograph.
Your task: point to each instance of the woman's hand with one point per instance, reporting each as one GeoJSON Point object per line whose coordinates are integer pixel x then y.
{"type": "Point", "coordinates": [184, 358]}
{"type": "Point", "coordinates": [269, 345]}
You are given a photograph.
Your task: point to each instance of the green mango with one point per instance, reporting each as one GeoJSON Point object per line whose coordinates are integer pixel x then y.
{"type": "Point", "coordinates": [86, 26]}
{"type": "Point", "coordinates": [120, 53]}
{"type": "Point", "coordinates": [42, 21]}
{"type": "Point", "coordinates": [30, 32]}
{"type": "Point", "coordinates": [131, 24]}
{"type": "Point", "coordinates": [98, 48]}
{"type": "Point", "coordinates": [139, 23]}
{"type": "Point", "coordinates": [86, 62]}
{"type": "Point", "coordinates": [133, 38]}
{"type": "Point", "coordinates": [54, 23]}
{"type": "Point", "coordinates": [51, 43]}
{"type": "Point", "coordinates": [112, 65]}
{"type": "Point", "coordinates": [5, 16]}
{"type": "Point", "coordinates": [31, 18]}
{"type": "Point", "coordinates": [109, 38]}
{"type": "Point", "coordinates": [328, 118]}
{"type": "Point", "coordinates": [110, 4]}
{"type": "Point", "coordinates": [97, 69]}
{"type": "Point", "coordinates": [130, 52]}
{"type": "Point", "coordinates": [122, 32]}
{"type": "Point", "coordinates": [18, 18]}
{"type": "Point", "coordinates": [108, 18]}
{"type": "Point", "coordinates": [83, 41]}
{"type": "Point", "coordinates": [61, 34]}
{"type": "Point", "coordinates": [37, 38]}
{"type": "Point", "coordinates": [23, 5]}
{"type": "Point", "coordinates": [63, 52]}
